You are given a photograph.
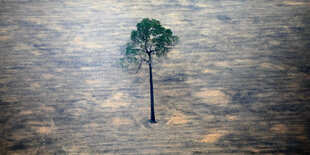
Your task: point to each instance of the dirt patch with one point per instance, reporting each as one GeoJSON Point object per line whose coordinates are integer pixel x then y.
{"type": "Point", "coordinates": [212, 137]}
{"type": "Point", "coordinates": [5, 80]}
{"type": "Point", "coordinates": [215, 97]}
{"type": "Point", "coordinates": [47, 76]}
{"type": "Point", "coordinates": [36, 20]}
{"type": "Point", "coordinates": [279, 129]}
{"type": "Point", "coordinates": [231, 118]}
{"type": "Point", "coordinates": [274, 42]}
{"type": "Point", "coordinates": [92, 127]}
{"type": "Point", "coordinates": [257, 150]}
{"type": "Point", "coordinates": [116, 101]}
{"type": "Point", "coordinates": [48, 128]}
{"type": "Point", "coordinates": [245, 61]}
{"type": "Point", "coordinates": [172, 65]}
{"type": "Point", "coordinates": [267, 94]}
{"type": "Point", "coordinates": [208, 117]}
{"type": "Point", "coordinates": [36, 53]}
{"type": "Point", "coordinates": [34, 86]}
{"type": "Point", "coordinates": [223, 64]}
{"type": "Point", "coordinates": [193, 81]}
{"type": "Point", "coordinates": [86, 44]}
{"type": "Point", "coordinates": [172, 93]}
{"type": "Point", "coordinates": [4, 89]}
{"type": "Point", "coordinates": [177, 118]}
{"type": "Point", "coordinates": [87, 68]}
{"type": "Point", "coordinates": [271, 66]}
{"type": "Point", "coordinates": [10, 98]}
{"type": "Point", "coordinates": [25, 112]}
{"type": "Point", "coordinates": [88, 96]}
{"type": "Point", "coordinates": [47, 109]}
{"type": "Point", "coordinates": [34, 123]}
{"type": "Point", "coordinates": [45, 130]}
{"type": "Point", "coordinates": [207, 71]}
{"type": "Point", "coordinates": [92, 82]}
{"type": "Point", "coordinates": [23, 46]}
{"type": "Point", "coordinates": [4, 38]}
{"type": "Point", "coordinates": [59, 70]}
{"type": "Point", "coordinates": [294, 3]}
{"type": "Point", "coordinates": [121, 121]}
{"type": "Point", "coordinates": [300, 131]}
{"type": "Point", "coordinates": [79, 111]}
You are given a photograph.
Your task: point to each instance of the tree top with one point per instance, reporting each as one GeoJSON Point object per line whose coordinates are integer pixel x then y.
{"type": "Point", "coordinates": [150, 38]}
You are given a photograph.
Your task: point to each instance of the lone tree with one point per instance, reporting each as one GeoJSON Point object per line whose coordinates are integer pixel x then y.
{"type": "Point", "coordinates": [150, 39]}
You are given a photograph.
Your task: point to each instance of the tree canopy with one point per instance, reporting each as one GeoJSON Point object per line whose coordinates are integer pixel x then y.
{"type": "Point", "coordinates": [150, 38]}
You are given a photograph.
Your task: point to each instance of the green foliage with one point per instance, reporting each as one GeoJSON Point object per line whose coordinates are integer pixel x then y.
{"type": "Point", "coordinates": [150, 38]}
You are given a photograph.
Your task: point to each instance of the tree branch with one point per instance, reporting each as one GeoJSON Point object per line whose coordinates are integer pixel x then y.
{"type": "Point", "coordinates": [139, 67]}
{"type": "Point", "coordinates": [145, 60]}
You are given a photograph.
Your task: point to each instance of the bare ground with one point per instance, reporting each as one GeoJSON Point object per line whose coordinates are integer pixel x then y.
{"type": "Point", "coordinates": [238, 82]}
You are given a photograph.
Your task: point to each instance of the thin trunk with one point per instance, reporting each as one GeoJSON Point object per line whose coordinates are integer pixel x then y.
{"type": "Point", "coordinates": [151, 91]}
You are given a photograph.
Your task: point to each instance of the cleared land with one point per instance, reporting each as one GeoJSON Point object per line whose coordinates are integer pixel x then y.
{"type": "Point", "coordinates": [238, 82]}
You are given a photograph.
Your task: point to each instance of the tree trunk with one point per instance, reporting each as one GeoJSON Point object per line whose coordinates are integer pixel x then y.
{"type": "Point", "coordinates": [151, 91]}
